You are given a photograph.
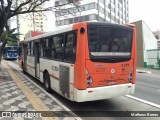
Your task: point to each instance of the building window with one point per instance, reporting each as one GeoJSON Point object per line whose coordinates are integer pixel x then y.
{"type": "Point", "coordinates": [81, 8]}
{"type": "Point", "coordinates": [71, 20]}
{"type": "Point", "coordinates": [112, 17]}
{"type": "Point", "coordinates": [62, 22]}
{"type": "Point", "coordinates": [70, 10]}
{"type": "Point", "coordinates": [66, 22]}
{"type": "Point", "coordinates": [107, 14]}
{"type": "Point", "coordinates": [86, 7]}
{"type": "Point", "coordinates": [76, 20]}
{"type": "Point", "coordinates": [101, 9]}
{"type": "Point", "coordinates": [91, 5]}
{"type": "Point", "coordinates": [57, 3]}
{"type": "Point", "coordinates": [101, 19]}
{"type": "Point", "coordinates": [121, 1]}
{"type": "Point", "coordinates": [81, 19]}
{"type": "Point", "coordinates": [112, 9]}
{"type": "Point", "coordinates": [86, 18]}
{"type": "Point", "coordinates": [76, 9]}
{"type": "Point", "coordinates": [113, 1]}
{"type": "Point", "coordinates": [58, 23]}
{"type": "Point", "coordinates": [107, 5]}
{"type": "Point", "coordinates": [102, 1]}
{"type": "Point", "coordinates": [92, 17]}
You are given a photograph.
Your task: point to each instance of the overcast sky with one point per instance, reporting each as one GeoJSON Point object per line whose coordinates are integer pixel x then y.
{"type": "Point", "coordinates": [146, 10]}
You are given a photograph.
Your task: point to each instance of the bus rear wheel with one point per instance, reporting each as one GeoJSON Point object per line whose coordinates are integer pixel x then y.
{"type": "Point", "coordinates": [47, 84]}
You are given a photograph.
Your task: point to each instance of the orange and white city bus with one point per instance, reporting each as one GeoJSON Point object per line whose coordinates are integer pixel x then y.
{"type": "Point", "coordinates": [85, 61]}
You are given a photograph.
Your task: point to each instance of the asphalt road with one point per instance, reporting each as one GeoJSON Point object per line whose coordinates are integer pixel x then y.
{"type": "Point", "coordinates": [148, 87]}
{"type": "Point", "coordinates": [145, 89]}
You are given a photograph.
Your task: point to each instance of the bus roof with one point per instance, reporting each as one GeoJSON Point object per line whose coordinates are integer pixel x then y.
{"type": "Point", "coordinates": [69, 28]}
{"type": "Point", "coordinates": [65, 29]}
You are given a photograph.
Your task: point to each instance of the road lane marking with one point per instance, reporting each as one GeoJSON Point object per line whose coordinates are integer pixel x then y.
{"type": "Point", "coordinates": [143, 101]}
{"type": "Point", "coordinates": [16, 67]}
{"type": "Point", "coordinates": [31, 96]}
{"type": "Point", "coordinates": [143, 71]}
{"type": "Point", "coordinates": [158, 90]}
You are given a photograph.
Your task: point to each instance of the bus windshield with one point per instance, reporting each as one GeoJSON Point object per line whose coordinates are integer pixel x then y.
{"type": "Point", "coordinates": [12, 49]}
{"type": "Point", "coordinates": [107, 42]}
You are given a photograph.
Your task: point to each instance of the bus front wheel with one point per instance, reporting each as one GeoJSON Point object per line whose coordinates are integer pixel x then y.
{"type": "Point", "coordinates": [47, 84]}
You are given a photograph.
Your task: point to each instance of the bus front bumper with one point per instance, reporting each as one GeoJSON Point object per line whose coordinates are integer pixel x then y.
{"type": "Point", "coordinates": [99, 93]}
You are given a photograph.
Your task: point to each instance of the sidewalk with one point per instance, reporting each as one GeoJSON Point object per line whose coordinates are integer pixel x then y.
{"type": "Point", "coordinates": [19, 94]}
{"type": "Point", "coordinates": [147, 70]}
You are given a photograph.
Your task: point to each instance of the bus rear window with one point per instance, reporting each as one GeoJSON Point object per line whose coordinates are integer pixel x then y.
{"type": "Point", "coordinates": [109, 42]}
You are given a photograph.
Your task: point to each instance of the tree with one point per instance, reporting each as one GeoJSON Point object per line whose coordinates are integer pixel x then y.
{"type": "Point", "coordinates": [11, 8]}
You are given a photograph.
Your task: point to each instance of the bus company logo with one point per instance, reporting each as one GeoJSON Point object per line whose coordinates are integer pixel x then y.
{"type": "Point", "coordinates": [113, 71]}
{"type": "Point", "coordinates": [54, 68]}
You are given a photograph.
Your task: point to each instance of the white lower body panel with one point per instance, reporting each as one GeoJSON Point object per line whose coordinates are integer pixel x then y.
{"type": "Point", "coordinates": [99, 93]}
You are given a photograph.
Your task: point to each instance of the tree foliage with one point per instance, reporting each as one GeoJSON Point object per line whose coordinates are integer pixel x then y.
{"type": "Point", "coordinates": [11, 8]}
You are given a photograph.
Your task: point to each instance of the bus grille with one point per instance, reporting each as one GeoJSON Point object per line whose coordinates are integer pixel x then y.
{"type": "Point", "coordinates": [64, 80]}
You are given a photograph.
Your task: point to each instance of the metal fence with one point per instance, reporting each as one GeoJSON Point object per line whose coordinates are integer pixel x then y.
{"type": "Point", "coordinates": [153, 59]}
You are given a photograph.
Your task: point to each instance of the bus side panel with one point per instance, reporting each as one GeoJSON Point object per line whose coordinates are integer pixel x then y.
{"type": "Point", "coordinates": [61, 76]}
{"type": "Point", "coordinates": [134, 56]}
{"type": "Point", "coordinates": [52, 67]}
{"type": "Point", "coordinates": [79, 69]}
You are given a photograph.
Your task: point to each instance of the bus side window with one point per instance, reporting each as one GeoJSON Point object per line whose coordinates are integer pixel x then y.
{"type": "Point", "coordinates": [41, 47]}
{"type": "Point", "coordinates": [52, 46]}
{"type": "Point", "coordinates": [32, 48]}
{"type": "Point", "coordinates": [46, 49]}
{"type": "Point", "coordinates": [58, 40]}
{"type": "Point", "coordinates": [70, 47]}
{"type": "Point", "coordinates": [29, 48]}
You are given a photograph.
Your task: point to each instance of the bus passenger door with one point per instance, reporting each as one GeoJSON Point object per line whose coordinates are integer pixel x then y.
{"type": "Point", "coordinates": [37, 65]}
{"type": "Point", "coordinates": [25, 58]}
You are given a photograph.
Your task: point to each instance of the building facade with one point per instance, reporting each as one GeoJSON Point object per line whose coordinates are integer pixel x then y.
{"type": "Point", "coordinates": [114, 11]}
{"type": "Point", "coordinates": [30, 22]}
{"type": "Point", "coordinates": [145, 41]}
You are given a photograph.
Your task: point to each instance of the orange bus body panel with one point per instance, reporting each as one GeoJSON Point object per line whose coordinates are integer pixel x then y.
{"type": "Point", "coordinates": [100, 71]}
{"type": "Point", "coordinates": [102, 76]}
{"type": "Point", "coordinates": [79, 67]}
{"type": "Point", "coordinates": [134, 55]}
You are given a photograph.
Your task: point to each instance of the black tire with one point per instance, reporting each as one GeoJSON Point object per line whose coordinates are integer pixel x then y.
{"type": "Point", "coordinates": [47, 84]}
